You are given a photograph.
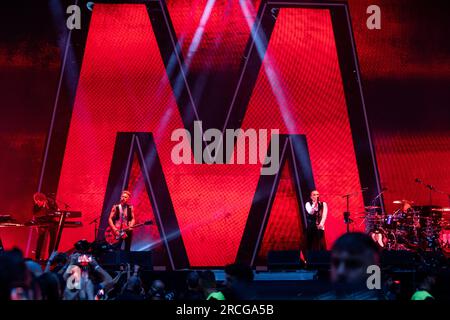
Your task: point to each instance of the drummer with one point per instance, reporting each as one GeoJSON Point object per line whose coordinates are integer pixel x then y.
{"type": "Point", "coordinates": [409, 222]}
{"type": "Point", "coordinates": [406, 209]}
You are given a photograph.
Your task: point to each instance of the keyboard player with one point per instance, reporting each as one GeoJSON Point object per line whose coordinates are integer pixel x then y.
{"type": "Point", "coordinates": [43, 216]}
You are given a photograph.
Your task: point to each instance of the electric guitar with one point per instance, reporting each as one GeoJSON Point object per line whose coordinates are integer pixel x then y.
{"type": "Point", "coordinates": [112, 238]}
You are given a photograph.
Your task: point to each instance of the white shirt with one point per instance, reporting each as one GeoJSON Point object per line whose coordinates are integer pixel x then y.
{"type": "Point", "coordinates": [312, 210]}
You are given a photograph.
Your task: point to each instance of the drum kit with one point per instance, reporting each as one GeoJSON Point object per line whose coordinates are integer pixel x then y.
{"type": "Point", "coordinates": [409, 228]}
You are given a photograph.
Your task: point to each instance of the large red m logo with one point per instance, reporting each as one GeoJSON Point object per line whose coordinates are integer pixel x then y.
{"type": "Point", "coordinates": [148, 70]}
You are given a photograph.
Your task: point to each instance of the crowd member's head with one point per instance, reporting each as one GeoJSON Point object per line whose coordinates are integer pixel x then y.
{"type": "Point", "coordinates": [193, 291]}
{"type": "Point", "coordinates": [238, 280]}
{"type": "Point", "coordinates": [51, 286]}
{"type": "Point", "coordinates": [192, 280]}
{"type": "Point", "coordinates": [208, 285]}
{"type": "Point", "coordinates": [426, 282]}
{"type": "Point", "coordinates": [237, 273]}
{"type": "Point", "coordinates": [157, 290]}
{"type": "Point", "coordinates": [207, 280]}
{"type": "Point", "coordinates": [16, 281]}
{"type": "Point", "coordinates": [351, 255]}
{"type": "Point", "coordinates": [81, 246]}
{"type": "Point", "coordinates": [391, 288]}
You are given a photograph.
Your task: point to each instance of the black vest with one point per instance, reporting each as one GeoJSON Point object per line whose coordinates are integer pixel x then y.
{"type": "Point", "coordinates": [126, 210]}
{"type": "Point", "coordinates": [314, 219]}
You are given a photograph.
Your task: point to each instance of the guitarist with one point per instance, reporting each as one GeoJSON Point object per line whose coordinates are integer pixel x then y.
{"type": "Point", "coordinates": [121, 217]}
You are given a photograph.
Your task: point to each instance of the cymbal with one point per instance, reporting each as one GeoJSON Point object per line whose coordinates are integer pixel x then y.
{"type": "Point", "coordinates": [441, 210]}
{"type": "Point", "coordinates": [372, 218]}
{"type": "Point", "coordinates": [371, 207]}
{"type": "Point", "coordinates": [366, 214]}
{"type": "Point", "coordinates": [402, 201]}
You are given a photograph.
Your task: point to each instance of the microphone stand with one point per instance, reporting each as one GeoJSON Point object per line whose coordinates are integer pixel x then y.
{"type": "Point", "coordinates": [347, 219]}
{"type": "Point", "coordinates": [431, 188]}
{"type": "Point", "coordinates": [428, 186]}
{"type": "Point", "coordinates": [374, 201]}
{"type": "Point", "coordinates": [95, 221]}
{"type": "Point", "coordinates": [441, 192]}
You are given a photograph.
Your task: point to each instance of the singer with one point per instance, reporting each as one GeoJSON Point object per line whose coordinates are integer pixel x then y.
{"type": "Point", "coordinates": [315, 219]}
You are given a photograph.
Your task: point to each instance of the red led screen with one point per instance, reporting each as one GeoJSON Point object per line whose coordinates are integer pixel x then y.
{"type": "Point", "coordinates": [124, 87]}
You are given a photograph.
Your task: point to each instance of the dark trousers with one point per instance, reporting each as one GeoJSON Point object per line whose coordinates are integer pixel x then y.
{"type": "Point", "coordinates": [127, 241]}
{"type": "Point", "coordinates": [42, 235]}
{"type": "Point", "coordinates": [315, 239]}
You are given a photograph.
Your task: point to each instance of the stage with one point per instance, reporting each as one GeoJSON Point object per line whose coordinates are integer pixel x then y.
{"type": "Point", "coordinates": [194, 135]}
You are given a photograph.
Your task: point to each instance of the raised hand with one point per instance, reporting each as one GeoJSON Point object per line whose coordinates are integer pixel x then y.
{"type": "Point", "coordinates": [53, 256]}
{"type": "Point", "coordinates": [136, 269]}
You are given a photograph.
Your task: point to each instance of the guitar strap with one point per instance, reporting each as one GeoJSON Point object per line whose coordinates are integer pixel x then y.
{"type": "Point", "coordinates": [121, 215]}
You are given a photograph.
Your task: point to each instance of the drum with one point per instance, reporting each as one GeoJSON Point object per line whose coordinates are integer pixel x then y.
{"type": "Point", "coordinates": [444, 238]}
{"type": "Point", "coordinates": [390, 222]}
{"type": "Point", "coordinates": [409, 239]}
{"type": "Point", "coordinates": [373, 222]}
{"type": "Point", "coordinates": [431, 232]}
{"type": "Point", "coordinates": [384, 238]}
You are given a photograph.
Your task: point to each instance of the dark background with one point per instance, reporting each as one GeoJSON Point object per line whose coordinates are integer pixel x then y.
{"type": "Point", "coordinates": [406, 80]}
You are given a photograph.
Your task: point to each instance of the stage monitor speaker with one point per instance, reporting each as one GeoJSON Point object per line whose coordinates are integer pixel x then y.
{"type": "Point", "coordinates": [141, 258]}
{"type": "Point", "coordinates": [112, 258]}
{"type": "Point", "coordinates": [284, 260]}
{"type": "Point", "coordinates": [318, 259]}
